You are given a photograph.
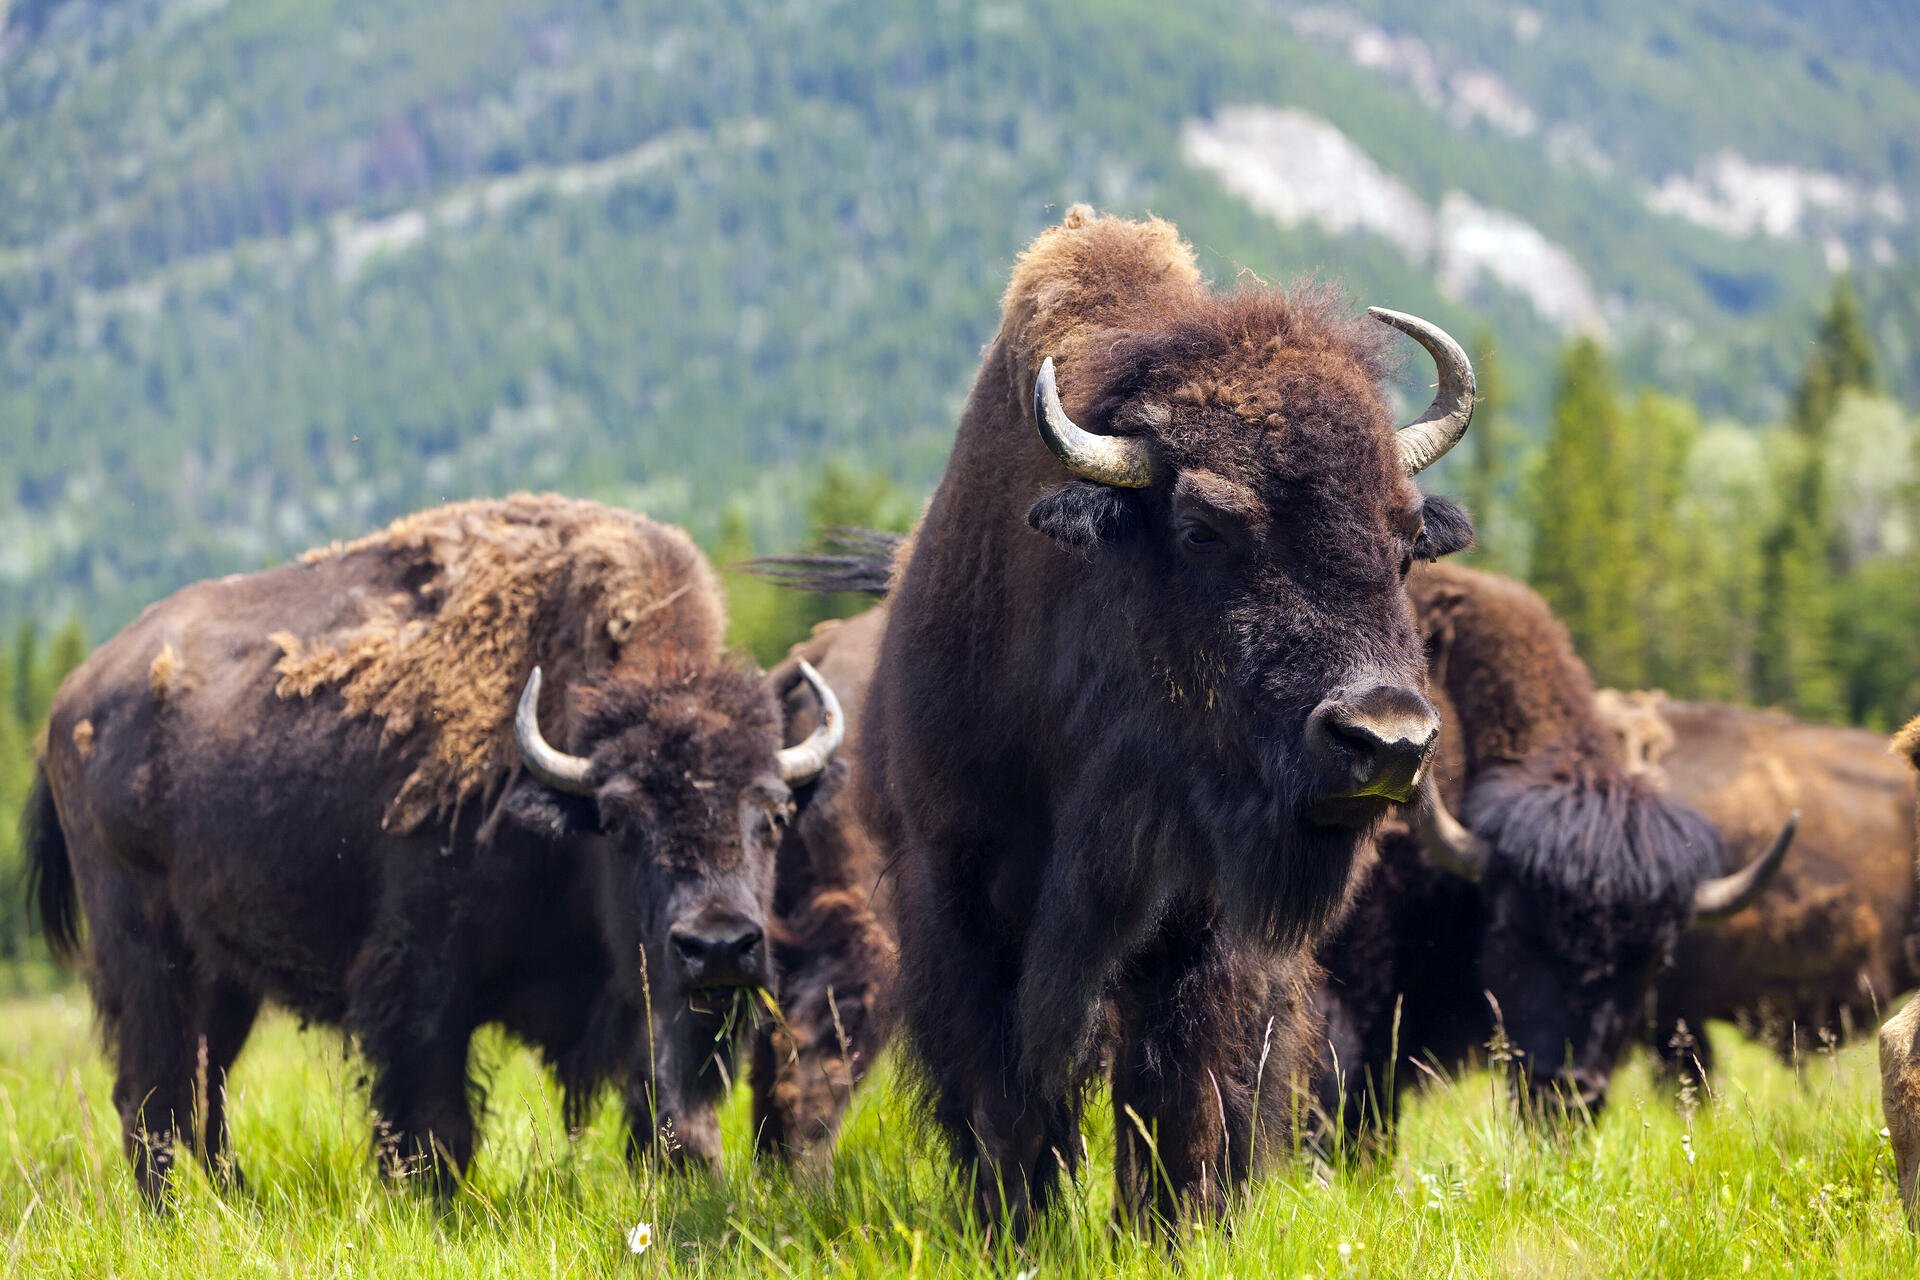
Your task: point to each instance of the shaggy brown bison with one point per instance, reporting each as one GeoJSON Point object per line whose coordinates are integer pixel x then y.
{"type": "Point", "coordinates": [1148, 681]}
{"type": "Point", "coordinates": [1900, 1045]}
{"type": "Point", "coordinates": [833, 938]}
{"type": "Point", "coordinates": [1824, 953]}
{"type": "Point", "coordinates": [310, 785]}
{"type": "Point", "coordinates": [1549, 911]}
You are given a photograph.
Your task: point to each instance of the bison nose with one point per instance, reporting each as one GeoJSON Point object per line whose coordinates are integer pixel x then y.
{"type": "Point", "coordinates": [1376, 739]}
{"type": "Point", "coordinates": [719, 953]}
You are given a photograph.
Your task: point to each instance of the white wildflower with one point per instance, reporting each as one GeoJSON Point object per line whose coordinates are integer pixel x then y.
{"type": "Point", "coordinates": [641, 1237]}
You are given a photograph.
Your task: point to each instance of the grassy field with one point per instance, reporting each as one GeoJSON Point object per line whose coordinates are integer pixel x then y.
{"type": "Point", "coordinates": [1785, 1173]}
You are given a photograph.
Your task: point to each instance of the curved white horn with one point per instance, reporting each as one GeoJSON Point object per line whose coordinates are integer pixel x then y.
{"type": "Point", "coordinates": [1448, 841]}
{"type": "Point", "coordinates": [1717, 899]}
{"type": "Point", "coordinates": [1426, 439]}
{"type": "Point", "coordinates": [548, 764]}
{"type": "Point", "coordinates": [1114, 460]}
{"type": "Point", "coordinates": [805, 761]}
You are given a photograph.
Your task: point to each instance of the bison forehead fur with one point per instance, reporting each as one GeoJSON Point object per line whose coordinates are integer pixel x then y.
{"type": "Point", "coordinates": [685, 747]}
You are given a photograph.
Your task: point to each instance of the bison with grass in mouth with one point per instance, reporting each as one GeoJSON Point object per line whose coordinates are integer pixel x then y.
{"type": "Point", "coordinates": [335, 785]}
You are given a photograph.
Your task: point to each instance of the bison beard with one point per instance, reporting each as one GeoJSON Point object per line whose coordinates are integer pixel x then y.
{"type": "Point", "coordinates": [1131, 719]}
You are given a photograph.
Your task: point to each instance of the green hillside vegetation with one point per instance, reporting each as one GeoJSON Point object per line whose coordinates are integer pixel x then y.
{"type": "Point", "coordinates": [274, 273]}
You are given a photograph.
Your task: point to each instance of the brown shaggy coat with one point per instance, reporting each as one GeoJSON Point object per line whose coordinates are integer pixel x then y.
{"type": "Point", "coordinates": [300, 785]}
{"type": "Point", "coordinates": [836, 947]}
{"type": "Point", "coordinates": [1589, 882]}
{"type": "Point", "coordinates": [1831, 944]}
{"type": "Point", "coordinates": [1900, 1046]}
{"type": "Point", "coordinates": [1088, 746]}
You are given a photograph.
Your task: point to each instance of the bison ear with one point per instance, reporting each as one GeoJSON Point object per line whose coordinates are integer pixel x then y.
{"type": "Point", "coordinates": [1448, 528]}
{"type": "Point", "coordinates": [550, 814]}
{"type": "Point", "coordinates": [1082, 515]}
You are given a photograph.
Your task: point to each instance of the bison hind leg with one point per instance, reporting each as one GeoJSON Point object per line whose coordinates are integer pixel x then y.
{"type": "Point", "coordinates": [226, 1012]}
{"type": "Point", "coordinates": [140, 979]}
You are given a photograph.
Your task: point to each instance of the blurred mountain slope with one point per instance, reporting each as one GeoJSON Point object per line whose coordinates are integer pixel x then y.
{"type": "Point", "coordinates": [273, 272]}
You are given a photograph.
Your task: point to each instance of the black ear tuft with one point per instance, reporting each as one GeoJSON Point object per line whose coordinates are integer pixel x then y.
{"type": "Point", "coordinates": [1449, 528]}
{"type": "Point", "coordinates": [549, 813]}
{"type": "Point", "coordinates": [1083, 514]}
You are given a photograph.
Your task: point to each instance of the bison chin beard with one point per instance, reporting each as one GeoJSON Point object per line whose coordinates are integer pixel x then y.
{"type": "Point", "coordinates": [1281, 879]}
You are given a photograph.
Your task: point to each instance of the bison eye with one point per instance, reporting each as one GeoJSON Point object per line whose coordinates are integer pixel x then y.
{"type": "Point", "coordinates": [1199, 538]}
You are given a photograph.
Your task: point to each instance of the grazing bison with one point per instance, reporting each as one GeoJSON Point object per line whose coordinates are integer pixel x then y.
{"type": "Point", "coordinates": [1148, 682]}
{"type": "Point", "coordinates": [1900, 1045]}
{"type": "Point", "coordinates": [833, 939]}
{"type": "Point", "coordinates": [1822, 955]}
{"type": "Point", "coordinates": [310, 785]}
{"type": "Point", "coordinates": [1549, 911]}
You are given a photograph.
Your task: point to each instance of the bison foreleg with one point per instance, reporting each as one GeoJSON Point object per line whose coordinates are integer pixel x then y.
{"type": "Point", "coordinates": [671, 1108]}
{"type": "Point", "coordinates": [1201, 1076]}
{"type": "Point", "coordinates": [225, 1014]}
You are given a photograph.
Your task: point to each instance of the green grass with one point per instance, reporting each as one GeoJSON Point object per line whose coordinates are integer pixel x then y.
{"type": "Point", "coordinates": [1779, 1176]}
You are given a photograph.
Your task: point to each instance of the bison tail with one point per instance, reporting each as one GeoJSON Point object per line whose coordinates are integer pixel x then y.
{"type": "Point", "coordinates": [50, 888]}
{"type": "Point", "coordinates": [854, 560]}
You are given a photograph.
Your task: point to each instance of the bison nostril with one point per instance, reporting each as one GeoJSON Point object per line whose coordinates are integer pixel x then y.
{"type": "Point", "coordinates": [1357, 740]}
{"type": "Point", "coordinates": [748, 941]}
{"type": "Point", "coordinates": [690, 946]}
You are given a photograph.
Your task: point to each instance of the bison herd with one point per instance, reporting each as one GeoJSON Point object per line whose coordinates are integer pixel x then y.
{"type": "Point", "coordinates": [1169, 759]}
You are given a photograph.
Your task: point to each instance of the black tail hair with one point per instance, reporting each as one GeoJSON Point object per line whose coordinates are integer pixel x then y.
{"type": "Point", "coordinates": [855, 560]}
{"type": "Point", "coordinates": [50, 888]}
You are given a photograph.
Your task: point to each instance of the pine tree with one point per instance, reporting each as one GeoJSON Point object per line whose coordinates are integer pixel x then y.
{"type": "Point", "coordinates": [1583, 558]}
{"type": "Point", "coordinates": [1804, 556]}
{"type": "Point", "coordinates": [1485, 489]}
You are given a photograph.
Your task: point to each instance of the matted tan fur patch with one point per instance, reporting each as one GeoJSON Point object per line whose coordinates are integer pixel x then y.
{"type": "Point", "coordinates": [83, 738]}
{"type": "Point", "coordinates": [484, 590]}
{"type": "Point", "coordinates": [165, 667]}
{"type": "Point", "coordinates": [1907, 742]}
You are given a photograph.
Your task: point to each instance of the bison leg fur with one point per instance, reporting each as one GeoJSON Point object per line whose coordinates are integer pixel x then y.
{"type": "Point", "coordinates": [833, 1025]}
{"type": "Point", "coordinates": [225, 1016]}
{"type": "Point", "coordinates": [671, 1110]}
{"type": "Point", "coordinates": [1900, 1099]}
{"type": "Point", "coordinates": [141, 984]}
{"type": "Point", "coordinates": [1200, 1093]}
{"type": "Point", "coordinates": [416, 1037]}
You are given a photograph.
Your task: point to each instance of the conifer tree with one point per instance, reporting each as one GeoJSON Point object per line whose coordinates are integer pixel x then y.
{"type": "Point", "coordinates": [1795, 663]}
{"type": "Point", "coordinates": [1486, 484]}
{"type": "Point", "coordinates": [1583, 558]}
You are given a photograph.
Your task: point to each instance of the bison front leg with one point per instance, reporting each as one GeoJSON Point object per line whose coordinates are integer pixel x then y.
{"type": "Point", "coordinates": [1203, 1085]}
{"type": "Point", "coordinates": [835, 977]}
{"type": "Point", "coordinates": [1900, 1099]}
{"type": "Point", "coordinates": [671, 1107]}
{"type": "Point", "coordinates": [226, 1015]}
{"type": "Point", "coordinates": [410, 1014]}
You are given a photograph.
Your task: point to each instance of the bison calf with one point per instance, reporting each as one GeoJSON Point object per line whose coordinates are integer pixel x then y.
{"type": "Point", "coordinates": [310, 785]}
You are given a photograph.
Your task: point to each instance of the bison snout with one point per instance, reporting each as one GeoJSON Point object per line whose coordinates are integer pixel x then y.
{"type": "Point", "coordinates": [726, 951]}
{"type": "Point", "coordinates": [1374, 741]}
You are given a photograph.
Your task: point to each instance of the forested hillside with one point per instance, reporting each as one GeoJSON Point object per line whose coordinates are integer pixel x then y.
{"type": "Point", "coordinates": [274, 272]}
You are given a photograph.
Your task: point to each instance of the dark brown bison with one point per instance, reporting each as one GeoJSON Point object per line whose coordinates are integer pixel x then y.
{"type": "Point", "coordinates": [1824, 953]}
{"type": "Point", "coordinates": [1900, 1045]}
{"type": "Point", "coordinates": [1148, 681]}
{"type": "Point", "coordinates": [1549, 911]}
{"type": "Point", "coordinates": [309, 785]}
{"type": "Point", "coordinates": [833, 940]}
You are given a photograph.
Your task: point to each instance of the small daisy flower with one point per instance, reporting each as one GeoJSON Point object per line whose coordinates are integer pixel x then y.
{"type": "Point", "coordinates": [641, 1237]}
